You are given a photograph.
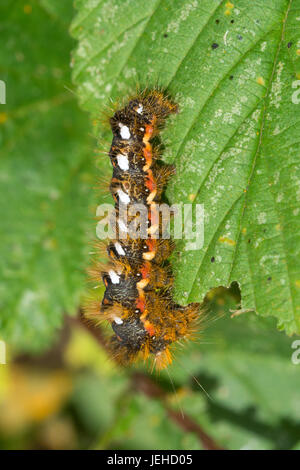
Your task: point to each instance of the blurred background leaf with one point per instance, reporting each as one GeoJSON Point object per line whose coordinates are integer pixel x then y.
{"type": "Point", "coordinates": [46, 175]}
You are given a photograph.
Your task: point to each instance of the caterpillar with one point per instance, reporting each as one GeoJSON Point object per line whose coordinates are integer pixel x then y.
{"type": "Point", "coordinates": [138, 301]}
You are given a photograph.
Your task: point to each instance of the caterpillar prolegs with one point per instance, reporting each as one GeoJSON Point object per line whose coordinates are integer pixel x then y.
{"type": "Point", "coordinates": [138, 282]}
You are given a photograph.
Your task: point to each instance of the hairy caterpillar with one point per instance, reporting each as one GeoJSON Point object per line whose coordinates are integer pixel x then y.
{"type": "Point", "coordinates": [138, 281]}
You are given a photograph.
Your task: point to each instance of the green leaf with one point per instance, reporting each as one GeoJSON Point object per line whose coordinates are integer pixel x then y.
{"type": "Point", "coordinates": [234, 68]}
{"type": "Point", "coordinates": [45, 169]}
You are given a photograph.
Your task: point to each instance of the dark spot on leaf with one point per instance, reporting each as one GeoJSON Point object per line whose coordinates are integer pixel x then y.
{"type": "Point", "coordinates": [289, 44]}
{"type": "Point", "coordinates": [214, 45]}
{"type": "Point", "coordinates": [212, 259]}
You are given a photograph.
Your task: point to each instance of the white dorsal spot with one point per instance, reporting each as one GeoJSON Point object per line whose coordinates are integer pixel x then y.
{"type": "Point", "coordinates": [114, 277]}
{"type": "Point", "coordinates": [140, 108]}
{"type": "Point", "coordinates": [124, 198]}
{"type": "Point", "coordinates": [124, 131]}
{"type": "Point", "coordinates": [119, 249]}
{"type": "Point", "coordinates": [123, 162]}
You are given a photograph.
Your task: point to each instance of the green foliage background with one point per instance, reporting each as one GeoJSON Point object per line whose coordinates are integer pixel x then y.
{"type": "Point", "coordinates": [233, 68]}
